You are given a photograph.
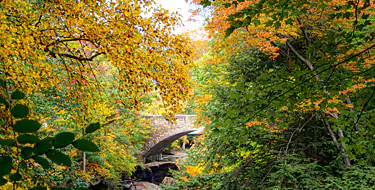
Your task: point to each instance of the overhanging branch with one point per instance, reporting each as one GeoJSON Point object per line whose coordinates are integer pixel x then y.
{"type": "Point", "coordinates": [54, 54]}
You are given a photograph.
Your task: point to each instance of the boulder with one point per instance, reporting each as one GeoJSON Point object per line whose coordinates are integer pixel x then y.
{"type": "Point", "coordinates": [147, 186]}
{"type": "Point", "coordinates": [168, 181]}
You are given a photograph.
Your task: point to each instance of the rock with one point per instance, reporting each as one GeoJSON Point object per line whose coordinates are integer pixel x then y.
{"type": "Point", "coordinates": [146, 186]}
{"type": "Point", "coordinates": [168, 181]}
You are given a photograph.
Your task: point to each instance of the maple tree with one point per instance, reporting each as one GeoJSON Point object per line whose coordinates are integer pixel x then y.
{"type": "Point", "coordinates": [287, 95]}
{"type": "Point", "coordinates": [84, 62]}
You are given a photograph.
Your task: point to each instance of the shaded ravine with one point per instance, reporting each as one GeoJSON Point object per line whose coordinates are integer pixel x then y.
{"type": "Point", "coordinates": [146, 176]}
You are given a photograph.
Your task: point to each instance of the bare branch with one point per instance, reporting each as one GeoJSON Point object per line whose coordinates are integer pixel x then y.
{"type": "Point", "coordinates": [73, 56]}
{"type": "Point", "coordinates": [307, 62]}
{"type": "Point", "coordinates": [304, 32]}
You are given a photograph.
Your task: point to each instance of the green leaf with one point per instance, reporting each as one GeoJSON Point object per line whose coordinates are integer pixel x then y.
{"type": "Point", "coordinates": [6, 165]}
{"type": "Point", "coordinates": [43, 162]}
{"type": "Point", "coordinates": [85, 145]}
{"type": "Point", "coordinates": [3, 101]}
{"type": "Point", "coordinates": [272, 118]}
{"type": "Point", "coordinates": [205, 3]}
{"type": "Point", "coordinates": [3, 181]}
{"type": "Point", "coordinates": [43, 145]}
{"type": "Point", "coordinates": [227, 5]}
{"type": "Point", "coordinates": [17, 95]}
{"type": "Point", "coordinates": [229, 31]}
{"type": "Point", "coordinates": [322, 6]}
{"type": "Point", "coordinates": [59, 188]}
{"type": "Point", "coordinates": [256, 22]}
{"type": "Point", "coordinates": [15, 177]}
{"type": "Point", "coordinates": [277, 24]}
{"type": "Point", "coordinates": [23, 166]}
{"type": "Point", "coordinates": [38, 188]}
{"type": "Point", "coordinates": [20, 111]}
{"type": "Point", "coordinates": [63, 139]}
{"type": "Point", "coordinates": [2, 83]}
{"type": "Point", "coordinates": [269, 23]}
{"type": "Point", "coordinates": [92, 127]}
{"type": "Point", "coordinates": [7, 142]}
{"type": "Point", "coordinates": [26, 152]}
{"type": "Point", "coordinates": [365, 16]}
{"type": "Point", "coordinates": [245, 22]}
{"type": "Point", "coordinates": [289, 21]}
{"type": "Point", "coordinates": [27, 126]}
{"type": "Point", "coordinates": [27, 138]}
{"type": "Point", "coordinates": [59, 158]}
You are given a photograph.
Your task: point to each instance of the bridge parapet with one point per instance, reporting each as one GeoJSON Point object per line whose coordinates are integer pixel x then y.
{"type": "Point", "coordinates": [160, 125]}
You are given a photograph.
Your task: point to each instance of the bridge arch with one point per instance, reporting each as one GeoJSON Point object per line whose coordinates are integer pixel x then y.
{"type": "Point", "coordinates": [165, 133]}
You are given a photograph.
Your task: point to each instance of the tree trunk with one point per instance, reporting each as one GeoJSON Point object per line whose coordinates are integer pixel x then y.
{"type": "Point", "coordinates": [326, 123]}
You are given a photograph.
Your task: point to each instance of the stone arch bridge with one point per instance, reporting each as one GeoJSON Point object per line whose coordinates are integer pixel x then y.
{"type": "Point", "coordinates": [163, 132]}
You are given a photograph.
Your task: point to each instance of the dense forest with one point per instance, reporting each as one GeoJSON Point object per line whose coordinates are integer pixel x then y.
{"type": "Point", "coordinates": [284, 89]}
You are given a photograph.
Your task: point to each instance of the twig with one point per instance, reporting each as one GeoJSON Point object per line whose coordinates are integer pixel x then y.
{"type": "Point", "coordinates": [298, 129]}
{"type": "Point", "coordinates": [365, 105]}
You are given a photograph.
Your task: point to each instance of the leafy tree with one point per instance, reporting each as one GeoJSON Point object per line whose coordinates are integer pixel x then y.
{"type": "Point", "coordinates": [291, 87]}
{"type": "Point", "coordinates": [24, 147]}
{"type": "Point", "coordinates": [80, 64]}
